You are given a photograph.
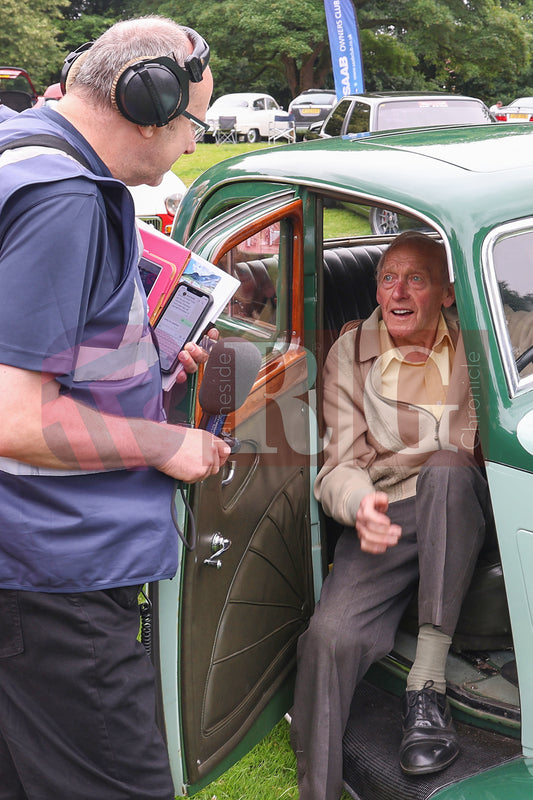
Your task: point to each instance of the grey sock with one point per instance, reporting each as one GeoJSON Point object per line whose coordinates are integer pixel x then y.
{"type": "Point", "coordinates": [430, 661]}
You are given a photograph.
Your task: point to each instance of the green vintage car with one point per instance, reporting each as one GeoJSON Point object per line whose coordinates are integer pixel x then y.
{"type": "Point", "coordinates": [292, 224]}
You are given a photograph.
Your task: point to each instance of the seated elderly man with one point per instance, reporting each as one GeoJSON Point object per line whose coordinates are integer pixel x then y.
{"type": "Point", "coordinates": [400, 474]}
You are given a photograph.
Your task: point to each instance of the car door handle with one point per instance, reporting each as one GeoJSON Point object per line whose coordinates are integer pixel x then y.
{"type": "Point", "coordinates": [230, 466]}
{"type": "Point", "coordinates": [219, 545]}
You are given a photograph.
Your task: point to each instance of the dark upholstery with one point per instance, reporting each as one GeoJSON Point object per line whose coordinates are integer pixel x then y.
{"type": "Point", "coordinates": [349, 286]}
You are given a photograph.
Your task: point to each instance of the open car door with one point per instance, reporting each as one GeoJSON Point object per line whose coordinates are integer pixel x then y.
{"type": "Point", "coordinates": [227, 635]}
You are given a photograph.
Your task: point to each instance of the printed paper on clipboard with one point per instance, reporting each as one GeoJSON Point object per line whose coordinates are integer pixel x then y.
{"type": "Point", "coordinates": [206, 276]}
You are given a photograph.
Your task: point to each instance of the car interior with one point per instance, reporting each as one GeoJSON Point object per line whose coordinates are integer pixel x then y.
{"type": "Point", "coordinates": [349, 293]}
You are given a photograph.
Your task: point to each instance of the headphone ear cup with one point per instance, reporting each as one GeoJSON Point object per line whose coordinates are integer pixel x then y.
{"type": "Point", "coordinates": [71, 66]}
{"type": "Point", "coordinates": [149, 93]}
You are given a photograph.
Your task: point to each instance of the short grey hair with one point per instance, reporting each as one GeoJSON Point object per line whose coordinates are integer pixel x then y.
{"type": "Point", "coordinates": [420, 241]}
{"type": "Point", "coordinates": [123, 43]}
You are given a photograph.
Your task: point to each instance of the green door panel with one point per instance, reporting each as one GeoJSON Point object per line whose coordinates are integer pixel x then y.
{"type": "Point", "coordinates": [511, 492]}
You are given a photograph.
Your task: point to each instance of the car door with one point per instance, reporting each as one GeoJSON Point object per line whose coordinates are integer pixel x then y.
{"type": "Point", "coordinates": [246, 590]}
{"type": "Point", "coordinates": [507, 435]}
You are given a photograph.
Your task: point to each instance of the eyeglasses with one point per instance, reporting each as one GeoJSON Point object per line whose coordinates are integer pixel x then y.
{"type": "Point", "coordinates": [200, 128]}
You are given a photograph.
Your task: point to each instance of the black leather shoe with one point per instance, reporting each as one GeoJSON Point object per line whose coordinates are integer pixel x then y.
{"type": "Point", "coordinates": [429, 741]}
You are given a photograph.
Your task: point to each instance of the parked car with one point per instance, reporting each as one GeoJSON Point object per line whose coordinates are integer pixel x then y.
{"type": "Point", "coordinates": [157, 205]}
{"type": "Point", "coordinates": [225, 630]}
{"type": "Point", "coordinates": [520, 110]}
{"type": "Point", "coordinates": [311, 106]}
{"type": "Point", "coordinates": [254, 113]}
{"type": "Point", "coordinates": [380, 111]}
{"type": "Point", "coordinates": [16, 89]}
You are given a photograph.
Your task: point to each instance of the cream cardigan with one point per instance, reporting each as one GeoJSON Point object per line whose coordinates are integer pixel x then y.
{"type": "Point", "coordinates": [377, 444]}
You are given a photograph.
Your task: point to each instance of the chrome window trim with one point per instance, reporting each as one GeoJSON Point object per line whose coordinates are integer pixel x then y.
{"type": "Point", "coordinates": [515, 384]}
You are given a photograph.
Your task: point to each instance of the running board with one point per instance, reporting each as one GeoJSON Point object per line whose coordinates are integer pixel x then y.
{"type": "Point", "coordinates": [372, 741]}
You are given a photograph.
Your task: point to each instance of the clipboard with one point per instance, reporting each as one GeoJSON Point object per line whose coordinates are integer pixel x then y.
{"type": "Point", "coordinates": [162, 264]}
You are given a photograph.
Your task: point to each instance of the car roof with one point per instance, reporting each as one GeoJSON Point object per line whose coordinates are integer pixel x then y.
{"type": "Point", "coordinates": [375, 97]}
{"type": "Point", "coordinates": [327, 94]}
{"type": "Point", "coordinates": [13, 72]}
{"type": "Point", "coordinates": [528, 101]}
{"type": "Point", "coordinates": [242, 95]}
{"type": "Point", "coordinates": [442, 173]}
{"type": "Point", "coordinates": [317, 91]}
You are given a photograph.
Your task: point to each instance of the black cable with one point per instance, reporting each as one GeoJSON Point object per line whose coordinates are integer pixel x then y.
{"type": "Point", "coordinates": [145, 610]}
{"type": "Point", "coordinates": [189, 545]}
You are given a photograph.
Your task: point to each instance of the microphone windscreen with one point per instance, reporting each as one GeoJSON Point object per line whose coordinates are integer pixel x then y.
{"type": "Point", "coordinates": [230, 372]}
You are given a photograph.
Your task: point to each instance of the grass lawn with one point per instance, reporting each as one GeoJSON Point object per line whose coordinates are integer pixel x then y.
{"type": "Point", "coordinates": [268, 772]}
{"type": "Point", "coordinates": [190, 167]}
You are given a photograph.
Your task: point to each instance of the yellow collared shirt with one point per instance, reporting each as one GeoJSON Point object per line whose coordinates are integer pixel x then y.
{"type": "Point", "coordinates": [423, 383]}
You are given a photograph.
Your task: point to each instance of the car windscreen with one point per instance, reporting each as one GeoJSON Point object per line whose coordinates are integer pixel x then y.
{"type": "Point", "coordinates": [424, 113]}
{"type": "Point", "coordinates": [14, 84]}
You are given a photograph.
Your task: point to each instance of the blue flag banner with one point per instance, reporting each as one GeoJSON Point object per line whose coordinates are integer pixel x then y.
{"type": "Point", "coordinates": [345, 47]}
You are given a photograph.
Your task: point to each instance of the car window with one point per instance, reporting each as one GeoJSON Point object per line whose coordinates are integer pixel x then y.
{"type": "Point", "coordinates": [315, 99]}
{"type": "Point", "coordinates": [259, 104]}
{"type": "Point", "coordinates": [12, 84]}
{"type": "Point", "coordinates": [359, 121]}
{"type": "Point", "coordinates": [263, 264]}
{"type": "Point", "coordinates": [333, 125]}
{"type": "Point", "coordinates": [509, 277]}
{"type": "Point", "coordinates": [415, 113]}
{"type": "Point", "coordinates": [270, 103]}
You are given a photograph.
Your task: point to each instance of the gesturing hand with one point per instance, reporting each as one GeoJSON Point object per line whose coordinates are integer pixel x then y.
{"type": "Point", "coordinates": [374, 528]}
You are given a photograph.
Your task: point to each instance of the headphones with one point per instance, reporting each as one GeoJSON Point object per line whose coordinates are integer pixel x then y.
{"type": "Point", "coordinates": [149, 91]}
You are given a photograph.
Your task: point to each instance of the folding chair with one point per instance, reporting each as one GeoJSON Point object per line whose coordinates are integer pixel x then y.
{"type": "Point", "coordinates": [283, 127]}
{"type": "Point", "coordinates": [225, 130]}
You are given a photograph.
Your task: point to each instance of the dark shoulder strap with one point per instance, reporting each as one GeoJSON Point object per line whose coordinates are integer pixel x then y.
{"type": "Point", "coordinates": [46, 140]}
{"type": "Point", "coordinates": [349, 326]}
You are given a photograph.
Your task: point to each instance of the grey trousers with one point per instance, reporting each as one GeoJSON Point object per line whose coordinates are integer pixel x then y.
{"type": "Point", "coordinates": [364, 597]}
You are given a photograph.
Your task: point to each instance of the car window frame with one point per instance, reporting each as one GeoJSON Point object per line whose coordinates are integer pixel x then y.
{"type": "Point", "coordinates": [337, 114]}
{"type": "Point", "coordinates": [516, 385]}
{"type": "Point", "coordinates": [359, 107]}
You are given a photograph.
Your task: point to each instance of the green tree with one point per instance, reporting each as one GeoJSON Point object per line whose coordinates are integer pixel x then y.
{"type": "Point", "coordinates": [474, 46]}
{"type": "Point", "coordinates": [83, 28]}
{"type": "Point", "coordinates": [479, 47]}
{"type": "Point", "coordinates": [457, 45]}
{"type": "Point", "coordinates": [280, 46]}
{"type": "Point", "coordinates": [29, 36]}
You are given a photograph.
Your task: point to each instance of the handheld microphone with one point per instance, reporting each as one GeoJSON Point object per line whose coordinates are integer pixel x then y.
{"type": "Point", "coordinates": [230, 372]}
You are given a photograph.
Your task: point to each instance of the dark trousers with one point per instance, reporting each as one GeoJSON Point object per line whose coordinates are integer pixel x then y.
{"type": "Point", "coordinates": [77, 700]}
{"type": "Point", "coordinates": [363, 600]}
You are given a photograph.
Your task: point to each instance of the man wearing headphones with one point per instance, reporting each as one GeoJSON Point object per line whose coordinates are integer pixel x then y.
{"type": "Point", "coordinates": [87, 463]}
